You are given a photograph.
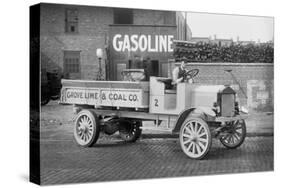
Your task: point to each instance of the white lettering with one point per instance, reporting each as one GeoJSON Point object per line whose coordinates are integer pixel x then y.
{"type": "Point", "coordinates": [143, 43]}
{"type": "Point", "coordinates": [157, 43]}
{"type": "Point", "coordinates": [126, 44]}
{"type": "Point", "coordinates": [150, 49]}
{"type": "Point", "coordinates": [163, 43]}
{"type": "Point", "coordinates": [149, 43]}
{"type": "Point", "coordinates": [170, 42]}
{"type": "Point", "coordinates": [135, 43]}
{"type": "Point", "coordinates": [119, 47]}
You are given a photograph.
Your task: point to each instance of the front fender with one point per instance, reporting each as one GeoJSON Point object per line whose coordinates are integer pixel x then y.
{"type": "Point", "coordinates": [205, 113]}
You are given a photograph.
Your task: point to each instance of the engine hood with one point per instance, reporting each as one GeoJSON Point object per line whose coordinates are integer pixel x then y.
{"type": "Point", "coordinates": [209, 88]}
{"type": "Point", "coordinates": [206, 95]}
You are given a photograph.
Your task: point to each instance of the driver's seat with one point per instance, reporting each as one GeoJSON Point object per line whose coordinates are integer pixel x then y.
{"type": "Point", "coordinates": [167, 82]}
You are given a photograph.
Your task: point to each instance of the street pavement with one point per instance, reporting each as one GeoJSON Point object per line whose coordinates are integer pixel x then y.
{"type": "Point", "coordinates": [62, 161]}
{"type": "Point", "coordinates": [111, 159]}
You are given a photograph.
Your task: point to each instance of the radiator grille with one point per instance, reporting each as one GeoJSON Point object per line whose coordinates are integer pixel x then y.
{"type": "Point", "coordinates": [227, 105]}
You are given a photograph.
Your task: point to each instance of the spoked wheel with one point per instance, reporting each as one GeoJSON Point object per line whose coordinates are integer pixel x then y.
{"type": "Point", "coordinates": [235, 134]}
{"type": "Point", "coordinates": [195, 138]}
{"type": "Point", "coordinates": [86, 129]}
{"type": "Point", "coordinates": [130, 131]}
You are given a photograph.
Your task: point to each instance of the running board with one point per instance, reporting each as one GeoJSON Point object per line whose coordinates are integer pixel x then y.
{"type": "Point", "coordinates": [162, 129]}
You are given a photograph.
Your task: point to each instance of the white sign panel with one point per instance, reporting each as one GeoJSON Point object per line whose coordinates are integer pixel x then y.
{"type": "Point", "coordinates": [103, 97]}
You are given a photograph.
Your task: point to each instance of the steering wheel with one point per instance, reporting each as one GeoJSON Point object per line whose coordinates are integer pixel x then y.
{"type": "Point", "coordinates": [190, 74]}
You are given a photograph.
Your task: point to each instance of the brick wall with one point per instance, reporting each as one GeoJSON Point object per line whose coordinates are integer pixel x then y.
{"type": "Point", "coordinates": [154, 17]}
{"type": "Point", "coordinates": [256, 80]}
{"type": "Point", "coordinates": [93, 28]}
{"type": "Point", "coordinates": [93, 31]}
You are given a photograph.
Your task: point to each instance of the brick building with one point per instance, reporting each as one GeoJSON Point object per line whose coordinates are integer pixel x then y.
{"type": "Point", "coordinates": [129, 38]}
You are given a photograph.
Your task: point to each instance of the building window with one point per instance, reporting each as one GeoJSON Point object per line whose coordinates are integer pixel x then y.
{"type": "Point", "coordinates": [72, 64]}
{"type": "Point", "coordinates": [71, 21]}
{"type": "Point", "coordinates": [123, 16]}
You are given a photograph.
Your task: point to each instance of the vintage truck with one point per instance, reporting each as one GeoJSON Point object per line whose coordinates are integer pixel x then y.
{"type": "Point", "coordinates": [196, 112]}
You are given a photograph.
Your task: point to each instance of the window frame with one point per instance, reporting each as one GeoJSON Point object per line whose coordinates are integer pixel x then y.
{"type": "Point", "coordinates": [69, 22]}
{"type": "Point", "coordinates": [67, 69]}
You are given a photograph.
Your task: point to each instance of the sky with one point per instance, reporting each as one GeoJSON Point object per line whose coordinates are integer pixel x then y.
{"type": "Point", "coordinates": [230, 26]}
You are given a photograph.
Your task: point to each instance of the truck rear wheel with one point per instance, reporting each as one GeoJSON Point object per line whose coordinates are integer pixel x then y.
{"type": "Point", "coordinates": [195, 138]}
{"type": "Point", "coordinates": [235, 134]}
{"type": "Point", "coordinates": [86, 129]}
{"type": "Point", "coordinates": [130, 131]}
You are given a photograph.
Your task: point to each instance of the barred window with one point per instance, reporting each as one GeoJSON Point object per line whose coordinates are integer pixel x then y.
{"type": "Point", "coordinates": [71, 21]}
{"type": "Point", "coordinates": [72, 62]}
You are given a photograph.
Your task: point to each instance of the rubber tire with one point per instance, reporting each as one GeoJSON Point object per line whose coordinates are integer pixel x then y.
{"type": "Point", "coordinates": [202, 122]}
{"type": "Point", "coordinates": [96, 128]}
{"type": "Point", "coordinates": [127, 135]}
{"type": "Point", "coordinates": [244, 132]}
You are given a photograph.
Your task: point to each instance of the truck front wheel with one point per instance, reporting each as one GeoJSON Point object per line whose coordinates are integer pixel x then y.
{"type": "Point", "coordinates": [195, 138]}
{"type": "Point", "coordinates": [235, 134]}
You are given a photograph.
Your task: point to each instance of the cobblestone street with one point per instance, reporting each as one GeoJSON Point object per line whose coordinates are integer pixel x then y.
{"type": "Point", "coordinates": [63, 161]}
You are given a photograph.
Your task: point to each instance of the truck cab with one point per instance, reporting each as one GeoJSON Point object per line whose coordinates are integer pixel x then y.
{"type": "Point", "coordinates": [167, 100]}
